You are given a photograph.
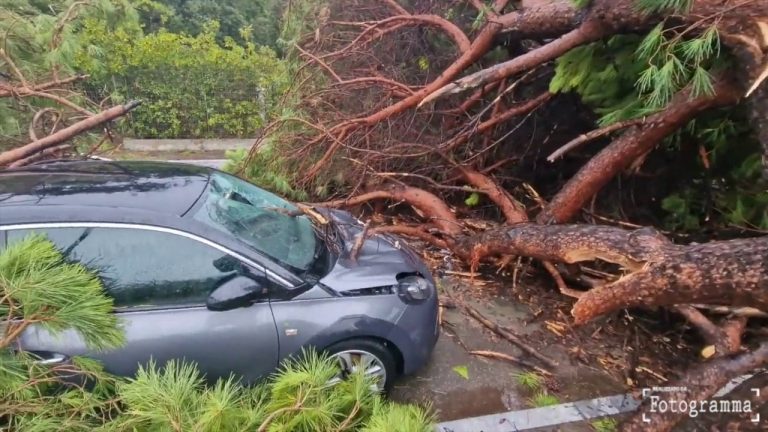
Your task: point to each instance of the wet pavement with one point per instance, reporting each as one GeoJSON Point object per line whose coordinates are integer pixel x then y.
{"type": "Point", "coordinates": [491, 386]}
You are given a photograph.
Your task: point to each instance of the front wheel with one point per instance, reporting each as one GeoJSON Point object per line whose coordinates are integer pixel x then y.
{"type": "Point", "coordinates": [373, 358]}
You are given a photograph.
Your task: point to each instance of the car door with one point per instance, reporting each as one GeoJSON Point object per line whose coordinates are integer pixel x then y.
{"type": "Point", "coordinates": [160, 280]}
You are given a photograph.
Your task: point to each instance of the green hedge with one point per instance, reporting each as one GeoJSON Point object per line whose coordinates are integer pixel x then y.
{"type": "Point", "coordinates": [192, 87]}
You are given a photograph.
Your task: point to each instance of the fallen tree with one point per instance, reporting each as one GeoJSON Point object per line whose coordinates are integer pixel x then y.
{"type": "Point", "coordinates": [424, 104]}
{"type": "Point", "coordinates": [384, 117]}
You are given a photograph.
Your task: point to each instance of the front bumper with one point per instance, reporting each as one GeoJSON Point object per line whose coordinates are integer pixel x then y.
{"type": "Point", "coordinates": [416, 333]}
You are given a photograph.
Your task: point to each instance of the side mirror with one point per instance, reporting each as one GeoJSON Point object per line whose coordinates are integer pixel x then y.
{"type": "Point", "coordinates": [237, 292]}
{"type": "Point", "coordinates": [227, 264]}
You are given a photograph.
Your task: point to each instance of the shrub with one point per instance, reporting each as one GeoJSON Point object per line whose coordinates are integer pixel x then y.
{"type": "Point", "coordinates": [191, 86]}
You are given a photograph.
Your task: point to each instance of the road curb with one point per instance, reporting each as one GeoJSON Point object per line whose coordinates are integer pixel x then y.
{"type": "Point", "coordinates": [583, 410]}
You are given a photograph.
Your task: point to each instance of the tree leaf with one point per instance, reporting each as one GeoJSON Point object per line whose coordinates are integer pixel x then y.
{"type": "Point", "coordinates": [708, 351]}
{"type": "Point", "coordinates": [472, 200]}
{"type": "Point", "coordinates": [462, 371]}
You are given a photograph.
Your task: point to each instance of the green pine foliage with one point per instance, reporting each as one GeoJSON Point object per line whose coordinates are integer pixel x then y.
{"type": "Point", "coordinates": [530, 381]}
{"type": "Point", "coordinates": [631, 76]}
{"type": "Point", "coordinates": [213, 81]}
{"type": "Point", "coordinates": [43, 39]}
{"type": "Point", "coordinates": [38, 286]}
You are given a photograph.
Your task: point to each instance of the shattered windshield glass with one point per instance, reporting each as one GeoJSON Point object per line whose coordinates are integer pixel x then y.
{"type": "Point", "coordinates": [262, 220]}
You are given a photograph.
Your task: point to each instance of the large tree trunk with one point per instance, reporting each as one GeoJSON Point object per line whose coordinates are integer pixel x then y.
{"type": "Point", "coordinates": [658, 272]}
{"type": "Point", "coordinates": [411, 141]}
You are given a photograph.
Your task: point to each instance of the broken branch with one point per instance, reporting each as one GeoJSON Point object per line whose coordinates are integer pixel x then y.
{"type": "Point", "coordinates": [508, 336]}
{"type": "Point", "coordinates": [11, 156]}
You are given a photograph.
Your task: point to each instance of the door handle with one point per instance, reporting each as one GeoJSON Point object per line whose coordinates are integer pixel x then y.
{"type": "Point", "coordinates": [52, 359]}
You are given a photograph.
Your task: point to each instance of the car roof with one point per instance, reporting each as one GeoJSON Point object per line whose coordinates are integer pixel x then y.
{"type": "Point", "coordinates": [158, 187]}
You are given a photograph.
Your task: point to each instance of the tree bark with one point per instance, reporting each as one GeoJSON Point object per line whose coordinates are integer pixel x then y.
{"type": "Point", "coordinates": [11, 156]}
{"type": "Point", "coordinates": [659, 272]}
{"type": "Point", "coordinates": [700, 385]}
{"type": "Point", "coordinates": [434, 208]}
{"type": "Point", "coordinates": [630, 146]}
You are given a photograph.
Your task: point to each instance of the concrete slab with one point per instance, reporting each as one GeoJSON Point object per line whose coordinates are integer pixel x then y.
{"type": "Point", "coordinates": [144, 145]}
{"type": "Point", "coordinates": [211, 163]}
{"type": "Point", "coordinates": [566, 413]}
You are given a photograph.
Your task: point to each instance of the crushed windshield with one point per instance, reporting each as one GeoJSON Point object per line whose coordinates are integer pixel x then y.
{"type": "Point", "coordinates": [260, 219]}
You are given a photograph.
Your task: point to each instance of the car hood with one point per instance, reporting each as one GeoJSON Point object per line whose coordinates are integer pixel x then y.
{"type": "Point", "coordinates": [379, 261]}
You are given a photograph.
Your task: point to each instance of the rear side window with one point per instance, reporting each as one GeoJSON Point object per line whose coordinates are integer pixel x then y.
{"type": "Point", "coordinates": [142, 268]}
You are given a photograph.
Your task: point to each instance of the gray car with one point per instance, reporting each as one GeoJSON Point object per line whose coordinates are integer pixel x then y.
{"type": "Point", "coordinates": [206, 267]}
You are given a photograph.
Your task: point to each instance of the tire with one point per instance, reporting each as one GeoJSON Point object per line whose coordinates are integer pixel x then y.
{"type": "Point", "coordinates": [358, 348]}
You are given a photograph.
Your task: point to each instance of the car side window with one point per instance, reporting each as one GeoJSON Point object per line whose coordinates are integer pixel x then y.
{"type": "Point", "coordinates": [143, 268]}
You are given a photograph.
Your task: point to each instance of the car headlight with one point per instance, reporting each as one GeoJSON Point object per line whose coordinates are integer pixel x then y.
{"type": "Point", "coordinates": [414, 289]}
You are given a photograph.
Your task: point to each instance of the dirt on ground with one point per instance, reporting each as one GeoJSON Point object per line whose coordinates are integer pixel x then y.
{"type": "Point", "coordinates": [614, 355]}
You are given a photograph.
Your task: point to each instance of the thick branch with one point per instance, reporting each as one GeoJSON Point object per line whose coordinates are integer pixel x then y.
{"type": "Point", "coordinates": [587, 32]}
{"type": "Point", "coordinates": [429, 204]}
{"type": "Point", "coordinates": [592, 135]}
{"type": "Point", "coordinates": [11, 156]}
{"type": "Point", "coordinates": [512, 210]}
{"type": "Point", "coordinates": [8, 91]}
{"type": "Point", "coordinates": [661, 273]}
{"type": "Point", "coordinates": [410, 231]}
{"type": "Point", "coordinates": [631, 145]}
{"type": "Point", "coordinates": [44, 154]}
{"type": "Point", "coordinates": [731, 272]}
